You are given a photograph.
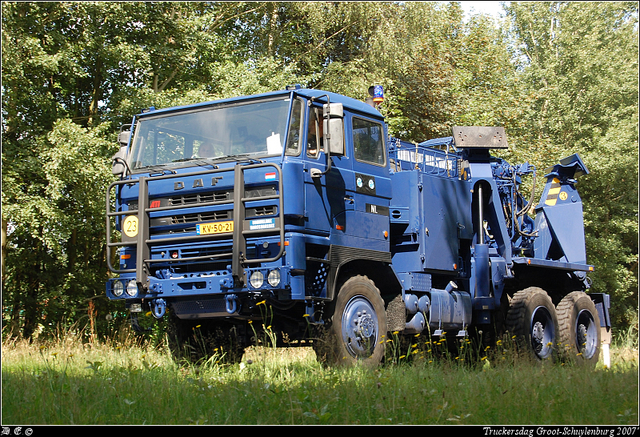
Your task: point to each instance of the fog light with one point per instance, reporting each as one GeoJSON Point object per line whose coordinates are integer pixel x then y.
{"type": "Point", "coordinates": [132, 288]}
{"type": "Point", "coordinates": [257, 279]}
{"type": "Point", "coordinates": [274, 278]}
{"type": "Point", "coordinates": [118, 288]}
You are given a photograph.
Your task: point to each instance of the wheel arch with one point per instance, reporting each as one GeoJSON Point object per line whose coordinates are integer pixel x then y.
{"type": "Point", "coordinates": [556, 282]}
{"type": "Point", "coordinates": [348, 262]}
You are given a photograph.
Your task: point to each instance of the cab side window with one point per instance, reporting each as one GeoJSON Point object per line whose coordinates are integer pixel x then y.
{"type": "Point", "coordinates": [368, 141]}
{"type": "Point", "coordinates": [314, 132]}
{"type": "Point", "coordinates": [295, 129]}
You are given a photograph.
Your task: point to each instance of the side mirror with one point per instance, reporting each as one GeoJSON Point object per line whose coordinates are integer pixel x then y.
{"type": "Point", "coordinates": [333, 128]}
{"type": "Point", "coordinates": [123, 138]}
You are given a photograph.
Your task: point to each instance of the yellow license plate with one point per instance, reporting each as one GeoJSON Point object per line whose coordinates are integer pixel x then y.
{"type": "Point", "coordinates": [214, 228]}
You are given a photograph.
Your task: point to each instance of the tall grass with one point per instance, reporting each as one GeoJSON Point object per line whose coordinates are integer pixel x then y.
{"type": "Point", "coordinates": [65, 381]}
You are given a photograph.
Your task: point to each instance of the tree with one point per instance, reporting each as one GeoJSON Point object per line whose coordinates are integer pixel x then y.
{"type": "Point", "coordinates": [72, 73]}
{"type": "Point", "coordinates": [58, 69]}
{"type": "Point", "coordinates": [578, 87]}
{"type": "Point", "coordinates": [29, 111]}
{"type": "Point", "coordinates": [561, 77]}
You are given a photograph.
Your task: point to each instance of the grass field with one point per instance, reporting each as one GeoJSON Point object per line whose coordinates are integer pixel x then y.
{"type": "Point", "coordinates": [69, 382]}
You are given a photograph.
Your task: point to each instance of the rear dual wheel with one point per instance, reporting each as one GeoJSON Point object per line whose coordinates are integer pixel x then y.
{"type": "Point", "coordinates": [532, 320]}
{"type": "Point", "coordinates": [579, 325]}
{"type": "Point", "coordinates": [570, 331]}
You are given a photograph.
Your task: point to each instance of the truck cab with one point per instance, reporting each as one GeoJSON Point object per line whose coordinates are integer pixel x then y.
{"type": "Point", "coordinates": [223, 205]}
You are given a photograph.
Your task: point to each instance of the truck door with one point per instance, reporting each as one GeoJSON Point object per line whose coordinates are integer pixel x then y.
{"type": "Point", "coordinates": [351, 201]}
{"type": "Point", "coordinates": [326, 196]}
{"type": "Point", "coordinates": [372, 192]}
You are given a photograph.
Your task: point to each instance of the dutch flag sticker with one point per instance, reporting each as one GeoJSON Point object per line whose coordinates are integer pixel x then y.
{"type": "Point", "coordinates": [270, 176]}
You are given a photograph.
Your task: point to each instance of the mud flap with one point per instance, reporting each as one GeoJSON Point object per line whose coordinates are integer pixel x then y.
{"type": "Point", "coordinates": [603, 303]}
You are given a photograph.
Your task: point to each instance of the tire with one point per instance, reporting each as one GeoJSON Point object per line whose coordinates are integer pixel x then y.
{"type": "Point", "coordinates": [177, 333]}
{"type": "Point", "coordinates": [357, 328]}
{"type": "Point", "coordinates": [532, 320]}
{"type": "Point", "coordinates": [197, 341]}
{"type": "Point", "coordinates": [579, 325]}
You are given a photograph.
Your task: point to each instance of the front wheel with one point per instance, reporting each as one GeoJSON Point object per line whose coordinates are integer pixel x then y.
{"type": "Point", "coordinates": [197, 341]}
{"type": "Point", "coordinates": [579, 329]}
{"type": "Point", "coordinates": [356, 331]}
{"type": "Point", "coordinates": [532, 320]}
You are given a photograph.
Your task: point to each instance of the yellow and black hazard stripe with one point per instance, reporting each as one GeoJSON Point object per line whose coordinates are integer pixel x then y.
{"type": "Point", "coordinates": [554, 191]}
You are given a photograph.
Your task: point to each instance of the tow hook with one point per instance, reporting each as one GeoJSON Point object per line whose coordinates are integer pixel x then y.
{"type": "Point", "coordinates": [232, 304]}
{"type": "Point", "coordinates": [158, 308]}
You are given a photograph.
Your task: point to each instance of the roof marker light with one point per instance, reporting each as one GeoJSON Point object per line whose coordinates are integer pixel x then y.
{"type": "Point", "coordinates": [378, 94]}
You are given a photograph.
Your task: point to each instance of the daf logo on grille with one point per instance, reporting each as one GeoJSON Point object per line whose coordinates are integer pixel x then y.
{"type": "Point", "coordinates": [197, 183]}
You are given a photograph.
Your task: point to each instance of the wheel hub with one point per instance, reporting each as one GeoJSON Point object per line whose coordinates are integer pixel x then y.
{"type": "Point", "coordinates": [365, 324]}
{"type": "Point", "coordinates": [537, 337]}
{"type": "Point", "coordinates": [542, 332]}
{"type": "Point", "coordinates": [360, 327]}
{"type": "Point", "coordinates": [586, 334]}
{"type": "Point", "coordinates": [582, 336]}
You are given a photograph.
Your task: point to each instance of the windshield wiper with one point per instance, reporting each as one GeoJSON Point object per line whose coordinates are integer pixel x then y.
{"type": "Point", "coordinates": [239, 157]}
{"type": "Point", "coordinates": [208, 161]}
{"type": "Point", "coordinates": [156, 169]}
{"type": "Point", "coordinates": [196, 161]}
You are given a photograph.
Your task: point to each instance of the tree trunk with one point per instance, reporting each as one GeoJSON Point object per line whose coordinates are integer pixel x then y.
{"type": "Point", "coordinates": [273, 29]}
{"type": "Point", "coordinates": [96, 94]}
{"type": "Point", "coordinates": [4, 245]}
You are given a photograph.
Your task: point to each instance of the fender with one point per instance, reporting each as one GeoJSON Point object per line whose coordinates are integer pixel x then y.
{"type": "Point", "coordinates": [341, 256]}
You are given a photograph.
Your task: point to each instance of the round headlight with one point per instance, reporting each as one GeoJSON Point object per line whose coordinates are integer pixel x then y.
{"type": "Point", "coordinates": [118, 288]}
{"type": "Point", "coordinates": [257, 279]}
{"type": "Point", "coordinates": [274, 278]}
{"type": "Point", "coordinates": [132, 288]}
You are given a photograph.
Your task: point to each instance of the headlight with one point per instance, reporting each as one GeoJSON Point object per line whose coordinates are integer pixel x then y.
{"type": "Point", "coordinates": [274, 278]}
{"type": "Point", "coordinates": [132, 288]}
{"type": "Point", "coordinates": [118, 288]}
{"type": "Point", "coordinates": [257, 279]}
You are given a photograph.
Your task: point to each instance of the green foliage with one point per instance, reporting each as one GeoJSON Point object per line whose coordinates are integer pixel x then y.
{"type": "Point", "coordinates": [56, 247]}
{"type": "Point", "coordinates": [562, 77]}
{"type": "Point", "coordinates": [578, 82]}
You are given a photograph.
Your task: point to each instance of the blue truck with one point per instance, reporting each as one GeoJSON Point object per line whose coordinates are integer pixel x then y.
{"type": "Point", "coordinates": [296, 210]}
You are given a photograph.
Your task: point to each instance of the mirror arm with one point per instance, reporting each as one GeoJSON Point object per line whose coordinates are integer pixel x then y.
{"type": "Point", "coordinates": [123, 161]}
{"type": "Point", "coordinates": [316, 173]}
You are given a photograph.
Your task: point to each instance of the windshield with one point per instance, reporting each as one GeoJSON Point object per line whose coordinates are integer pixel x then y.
{"type": "Point", "coordinates": [253, 129]}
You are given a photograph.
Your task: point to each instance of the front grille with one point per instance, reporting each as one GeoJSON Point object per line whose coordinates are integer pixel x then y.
{"type": "Point", "coordinates": [185, 223]}
{"type": "Point", "coordinates": [170, 218]}
{"type": "Point", "coordinates": [203, 217]}
{"type": "Point", "coordinates": [205, 197]}
{"type": "Point", "coordinates": [203, 251]}
{"type": "Point", "coordinates": [194, 199]}
{"type": "Point", "coordinates": [261, 211]}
